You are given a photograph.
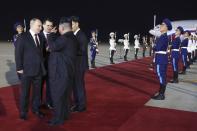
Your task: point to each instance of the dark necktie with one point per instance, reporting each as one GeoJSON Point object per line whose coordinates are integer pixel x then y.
{"type": "Point", "coordinates": [37, 42]}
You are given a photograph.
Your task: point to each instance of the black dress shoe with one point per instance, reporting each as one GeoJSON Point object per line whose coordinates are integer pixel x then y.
{"type": "Point", "coordinates": [49, 106]}
{"type": "Point", "coordinates": [174, 81]}
{"type": "Point", "coordinates": [182, 72]}
{"type": "Point", "coordinates": [77, 109]}
{"type": "Point", "coordinates": [23, 116]}
{"type": "Point", "coordinates": [39, 114]}
{"type": "Point", "coordinates": [54, 122]}
{"type": "Point", "coordinates": [159, 97]}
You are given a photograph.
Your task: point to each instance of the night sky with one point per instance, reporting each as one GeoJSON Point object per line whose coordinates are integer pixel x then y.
{"type": "Point", "coordinates": [122, 16]}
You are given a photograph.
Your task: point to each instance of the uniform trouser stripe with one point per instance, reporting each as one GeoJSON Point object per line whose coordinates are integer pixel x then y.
{"type": "Point", "coordinates": [161, 73]}
{"type": "Point", "coordinates": [158, 73]}
{"type": "Point", "coordinates": [175, 64]}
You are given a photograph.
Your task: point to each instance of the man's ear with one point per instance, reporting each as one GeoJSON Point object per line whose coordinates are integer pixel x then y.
{"type": "Point", "coordinates": [77, 24]}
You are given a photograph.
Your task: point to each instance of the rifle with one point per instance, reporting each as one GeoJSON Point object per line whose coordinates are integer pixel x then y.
{"type": "Point", "coordinates": [25, 26]}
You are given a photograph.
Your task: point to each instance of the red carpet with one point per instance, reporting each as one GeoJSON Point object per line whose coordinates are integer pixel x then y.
{"type": "Point", "coordinates": [116, 97]}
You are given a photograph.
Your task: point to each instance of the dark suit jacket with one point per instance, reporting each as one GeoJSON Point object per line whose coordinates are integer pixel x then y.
{"type": "Point", "coordinates": [45, 52]}
{"type": "Point", "coordinates": [28, 57]}
{"type": "Point", "coordinates": [83, 42]}
{"type": "Point", "coordinates": [62, 59]}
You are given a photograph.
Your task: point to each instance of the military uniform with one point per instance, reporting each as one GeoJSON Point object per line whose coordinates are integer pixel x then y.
{"type": "Point", "coordinates": [161, 59]}
{"type": "Point", "coordinates": [189, 50]}
{"type": "Point", "coordinates": [137, 45]}
{"type": "Point", "coordinates": [144, 46]}
{"type": "Point", "coordinates": [175, 55]}
{"type": "Point", "coordinates": [126, 46]}
{"type": "Point", "coordinates": [17, 25]}
{"type": "Point", "coordinates": [184, 46]}
{"type": "Point", "coordinates": [151, 45]}
{"type": "Point", "coordinates": [112, 47]}
{"type": "Point", "coordinates": [193, 49]}
{"type": "Point", "coordinates": [93, 51]}
{"type": "Point", "coordinates": [195, 46]}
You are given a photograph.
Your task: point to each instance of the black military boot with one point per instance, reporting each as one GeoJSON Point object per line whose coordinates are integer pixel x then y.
{"type": "Point", "coordinates": [175, 77]}
{"type": "Point", "coordinates": [183, 71]}
{"type": "Point", "coordinates": [135, 56]}
{"type": "Point", "coordinates": [176, 80]}
{"type": "Point", "coordinates": [161, 95]}
{"type": "Point", "coordinates": [125, 58]}
{"type": "Point", "coordinates": [172, 81]}
{"type": "Point", "coordinates": [93, 64]}
{"type": "Point", "coordinates": [111, 61]}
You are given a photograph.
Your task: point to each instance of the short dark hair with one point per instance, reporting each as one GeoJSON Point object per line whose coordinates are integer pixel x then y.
{"type": "Point", "coordinates": [47, 19]}
{"type": "Point", "coordinates": [65, 20]}
{"type": "Point", "coordinates": [75, 19]}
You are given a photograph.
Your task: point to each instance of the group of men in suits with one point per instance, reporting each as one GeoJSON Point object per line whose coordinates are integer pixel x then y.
{"type": "Point", "coordinates": [57, 58]}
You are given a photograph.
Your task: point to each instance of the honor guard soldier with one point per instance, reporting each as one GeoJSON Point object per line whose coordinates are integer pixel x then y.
{"type": "Point", "coordinates": [175, 53]}
{"type": "Point", "coordinates": [195, 46]}
{"type": "Point", "coordinates": [137, 45]}
{"type": "Point", "coordinates": [126, 45]}
{"type": "Point", "coordinates": [184, 45]}
{"type": "Point", "coordinates": [144, 45]}
{"type": "Point", "coordinates": [112, 48]}
{"type": "Point", "coordinates": [189, 51]}
{"type": "Point", "coordinates": [151, 45]}
{"type": "Point", "coordinates": [18, 27]}
{"type": "Point", "coordinates": [93, 48]}
{"type": "Point", "coordinates": [161, 57]}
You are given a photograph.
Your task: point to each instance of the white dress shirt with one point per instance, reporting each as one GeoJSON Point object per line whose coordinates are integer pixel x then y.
{"type": "Point", "coordinates": [34, 37]}
{"type": "Point", "coordinates": [76, 31]}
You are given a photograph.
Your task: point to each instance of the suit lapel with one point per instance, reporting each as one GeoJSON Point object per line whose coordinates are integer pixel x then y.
{"type": "Point", "coordinates": [33, 44]}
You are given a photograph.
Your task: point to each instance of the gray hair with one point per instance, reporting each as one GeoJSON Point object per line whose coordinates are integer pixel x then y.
{"type": "Point", "coordinates": [32, 21]}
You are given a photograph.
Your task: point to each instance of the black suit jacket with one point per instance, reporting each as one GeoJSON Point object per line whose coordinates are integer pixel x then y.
{"type": "Point", "coordinates": [62, 59]}
{"type": "Point", "coordinates": [28, 57]}
{"type": "Point", "coordinates": [45, 52]}
{"type": "Point", "coordinates": [83, 42]}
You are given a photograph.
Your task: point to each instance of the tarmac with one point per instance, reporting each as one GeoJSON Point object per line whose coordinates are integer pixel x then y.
{"type": "Point", "coordinates": [181, 96]}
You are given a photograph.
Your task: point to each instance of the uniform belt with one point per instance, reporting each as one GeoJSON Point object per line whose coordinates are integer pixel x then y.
{"type": "Point", "coordinates": [184, 47]}
{"type": "Point", "coordinates": [175, 49]}
{"type": "Point", "coordinates": [161, 52]}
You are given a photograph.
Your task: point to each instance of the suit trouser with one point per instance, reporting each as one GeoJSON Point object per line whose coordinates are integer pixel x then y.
{"type": "Point", "coordinates": [48, 90]}
{"type": "Point", "coordinates": [26, 82]}
{"type": "Point", "coordinates": [61, 92]}
{"type": "Point", "coordinates": [161, 73]}
{"type": "Point", "coordinates": [79, 92]}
